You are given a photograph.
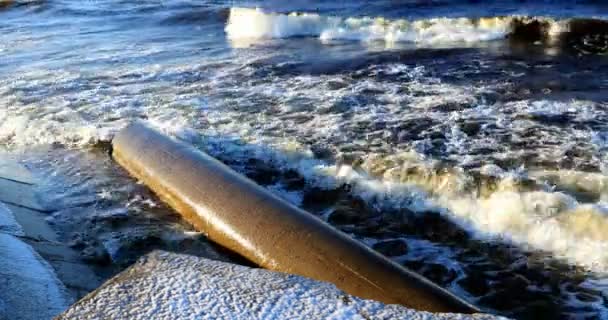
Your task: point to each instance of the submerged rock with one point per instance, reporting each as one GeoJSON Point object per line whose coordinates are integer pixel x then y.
{"type": "Point", "coordinates": [96, 255]}
{"type": "Point", "coordinates": [391, 248]}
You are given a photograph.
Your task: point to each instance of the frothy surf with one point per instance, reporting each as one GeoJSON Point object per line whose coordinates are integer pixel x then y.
{"type": "Point", "coordinates": [254, 23]}
{"type": "Point", "coordinates": [472, 144]}
{"type": "Point", "coordinates": [497, 205]}
{"type": "Point", "coordinates": [539, 210]}
{"type": "Point", "coordinates": [246, 23]}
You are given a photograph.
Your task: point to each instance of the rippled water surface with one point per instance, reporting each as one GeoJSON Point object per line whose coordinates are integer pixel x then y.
{"type": "Point", "coordinates": [466, 141]}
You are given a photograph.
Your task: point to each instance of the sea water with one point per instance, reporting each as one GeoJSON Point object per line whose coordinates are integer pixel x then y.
{"type": "Point", "coordinates": [466, 140]}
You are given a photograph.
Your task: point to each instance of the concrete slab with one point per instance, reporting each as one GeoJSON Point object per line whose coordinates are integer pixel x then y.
{"type": "Point", "coordinates": [33, 223]}
{"type": "Point", "coordinates": [20, 194]}
{"type": "Point", "coordinates": [70, 269]}
{"type": "Point", "coordinates": [11, 169]}
{"type": "Point", "coordinates": [165, 285]}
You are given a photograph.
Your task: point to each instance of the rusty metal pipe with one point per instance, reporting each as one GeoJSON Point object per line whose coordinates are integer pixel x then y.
{"type": "Point", "coordinates": [245, 218]}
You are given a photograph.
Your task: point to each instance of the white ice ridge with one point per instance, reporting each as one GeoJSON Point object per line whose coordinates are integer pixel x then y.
{"type": "Point", "coordinates": [166, 285]}
{"type": "Point", "coordinates": [29, 289]}
{"type": "Point", "coordinates": [8, 224]}
{"type": "Point", "coordinates": [246, 23]}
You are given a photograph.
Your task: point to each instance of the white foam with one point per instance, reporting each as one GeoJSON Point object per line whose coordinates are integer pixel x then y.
{"type": "Point", "coordinates": [254, 23]}
{"type": "Point", "coordinates": [85, 115]}
{"type": "Point", "coordinates": [32, 129]}
{"type": "Point", "coordinates": [247, 23]}
{"type": "Point", "coordinates": [92, 109]}
{"type": "Point", "coordinates": [542, 220]}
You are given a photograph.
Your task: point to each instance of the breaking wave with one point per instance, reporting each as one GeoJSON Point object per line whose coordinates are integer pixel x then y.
{"type": "Point", "coordinates": [244, 23]}
{"type": "Point", "coordinates": [524, 208]}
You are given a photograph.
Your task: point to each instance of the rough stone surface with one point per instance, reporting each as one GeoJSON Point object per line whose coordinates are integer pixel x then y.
{"type": "Point", "coordinates": [166, 285]}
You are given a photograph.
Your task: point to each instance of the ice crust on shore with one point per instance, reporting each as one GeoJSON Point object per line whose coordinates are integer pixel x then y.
{"type": "Point", "coordinates": [29, 288]}
{"type": "Point", "coordinates": [8, 224]}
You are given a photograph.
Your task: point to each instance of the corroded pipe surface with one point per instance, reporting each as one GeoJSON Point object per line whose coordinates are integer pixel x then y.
{"type": "Point", "coordinates": [242, 216]}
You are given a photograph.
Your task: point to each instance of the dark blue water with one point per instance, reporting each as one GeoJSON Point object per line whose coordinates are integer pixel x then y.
{"type": "Point", "coordinates": [473, 133]}
{"type": "Point", "coordinates": [429, 9]}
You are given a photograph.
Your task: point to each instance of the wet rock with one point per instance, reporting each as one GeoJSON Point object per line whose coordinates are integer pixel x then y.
{"type": "Point", "coordinates": [365, 229]}
{"type": "Point", "coordinates": [348, 214]}
{"type": "Point", "coordinates": [436, 135]}
{"type": "Point", "coordinates": [322, 152]}
{"type": "Point", "coordinates": [345, 215]}
{"type": "Point", "coordinates": [77, 243]}
{"type": "Point", "coordinates": [129, 248]}
{"type": "Point", "coordinates": [451, 106]}
{"type": "Point", "coordinates": [293, 180]}
{"type": "Point", "coordinates": [534, 275]}
{"type": "Point", "coordinates": [434, 227]}
{"type": "Point", "coordinates": [317, 197]}
{"type": "Point", "coordinates": [96, 255]}
{"type": "Point", "coordinates": [351, 158]}
{"type": "Point", "coordinates": [474, 284]}
{"type": "Point", "coordinates": [371, 91]}
{"type": "Point", "coordinates": [411, 129]}
{"type": "Point", "coordinates": [515, 283]}
{"type": "Point", "coordinates": [336, 85]}
{"type": "Point", "coordinates": [439, 273]}
{"type": "Point", "coordinates": [414, 265]}
{"type": "Point", "coordinates": [541, 309]}
{"type": "Point", "coordinates": [586, 297]}
{"type": "Point", "coordinates": [502, 300]}
{"type": "Point", "coordinates": [554, 119]}
{"type": "Point", "coordinates": [470, 128]}
{"type": "Point", "coordinates": [338, 107]}
{"type": "Point", "coordinates": [261, 173]}
{"type": "Point", "coordinates": [391, 248]}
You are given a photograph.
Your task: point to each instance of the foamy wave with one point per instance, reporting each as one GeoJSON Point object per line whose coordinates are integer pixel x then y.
{"type": "Point", "coordinates": [504, 206]}
{"type": "Point", "coordinates": [40, 118]}
{"type": "Point", "coordinates": [26, 129]}
{"type": "Point", "coordinates": [511, 206]}
{"type": "Point", "coordinates": [254, 23]}
{"type": "Point", "coordinates": [246, 23]}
